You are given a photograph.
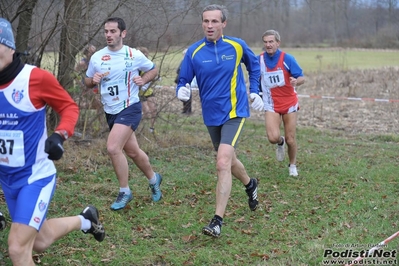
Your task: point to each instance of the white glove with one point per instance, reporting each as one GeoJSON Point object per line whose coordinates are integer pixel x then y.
{"type": "Point", "coordinates": [257, 102]}
{"type": "Point", "coordinates": [184, 93]}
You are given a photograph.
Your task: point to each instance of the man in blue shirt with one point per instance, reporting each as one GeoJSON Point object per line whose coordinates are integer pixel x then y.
{"type": "Point", "coordinates": [215, 61]}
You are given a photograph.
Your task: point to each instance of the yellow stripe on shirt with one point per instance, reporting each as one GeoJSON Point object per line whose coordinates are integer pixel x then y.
{"type": "Point", "coordinates": [233, 83]}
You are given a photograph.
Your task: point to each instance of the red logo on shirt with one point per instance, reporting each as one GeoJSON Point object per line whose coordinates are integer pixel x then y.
{"type": "Point", "coordinates": [36, 219]}
{"type": "Point", "coordinates": [106, 57]}
{"type": "Point", "coordinates": [5, 160]}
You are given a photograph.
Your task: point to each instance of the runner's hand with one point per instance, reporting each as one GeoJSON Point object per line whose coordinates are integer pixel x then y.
{"type": "Point", "coordinates": [257, 102]}
{"type": "Point", "coordinates": [184, 93]}
{"type": "Point", "coordinates": [53, 146]}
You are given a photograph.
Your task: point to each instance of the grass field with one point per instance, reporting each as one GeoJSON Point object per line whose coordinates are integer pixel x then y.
{"type": "Point", "coordinates": [344, 199]}
{"type": "Point", "coordinates": [311, 60]}
{"type": "Point", "coordinates": [346, 194]}
{"type": "Point", "coordinates": [343, 59]}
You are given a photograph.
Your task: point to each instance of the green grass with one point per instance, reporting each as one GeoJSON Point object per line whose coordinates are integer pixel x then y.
{"type": "Point", "coordinates": [346, 194]}
{"type": "Point", "coordinates": [313, 60]}
{"type": "Point", "coordinates": [316, 60]}
{"type": "Point", "coordinates": [310, 60]}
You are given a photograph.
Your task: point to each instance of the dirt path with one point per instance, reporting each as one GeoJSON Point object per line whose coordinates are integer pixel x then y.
{"type": "Point", "coordinates": [352, 116]}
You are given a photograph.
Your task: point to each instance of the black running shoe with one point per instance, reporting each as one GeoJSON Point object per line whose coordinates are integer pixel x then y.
{"type": "Point", "coordinates": [96, 229]}
{"type": "Point", "coordinates": [253, 195]}
{"type": "Point", "coordinates": [3, 222]}
{"type": "Point", "coordinates": [213, 229]}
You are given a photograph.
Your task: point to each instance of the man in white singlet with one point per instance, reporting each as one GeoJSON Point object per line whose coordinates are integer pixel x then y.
{"type": "Point", "coordinates": [116, 70]}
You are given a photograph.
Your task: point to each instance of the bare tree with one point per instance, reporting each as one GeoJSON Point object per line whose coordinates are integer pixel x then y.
{"type": "Point", "coordinates": [25, 12]}
{"type": "Point", "coordinates": [54, 32]}
{"type": "Point", "coordinates": [69, 42]}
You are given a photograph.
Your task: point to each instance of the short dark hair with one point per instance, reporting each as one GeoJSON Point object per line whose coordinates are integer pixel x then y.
{"type": "Point", "coordinates": [223, 9]}
{"type": "Point", "coordinates": [121, 23]}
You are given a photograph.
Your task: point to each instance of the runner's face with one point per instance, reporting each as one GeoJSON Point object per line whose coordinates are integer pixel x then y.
{"type": "Point", "coordinates": [212, 25]}
{"type": "Point", "coordinates": [270, 44]}
{"type": "Point", "coordinates": [6, 54]}
{"type": "Point", "coordinates": [113, 35]}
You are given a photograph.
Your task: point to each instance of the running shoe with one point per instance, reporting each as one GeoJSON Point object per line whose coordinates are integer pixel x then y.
{"type": "Point", "coordinates": [280, 151]}
{"type": "Point", "coordinates": [3, 222]}
{"type": "Point", "coordinates": [253, 195]}
{"type": "Point", "coordinates": [156, 188]}
{"type": "Point", "coordinates": [292, 170]}
{"type": "Point", "coordinates": [213, 229]}
{"type": "Point", "coordinates": [121, 201]}
{"type": "Point", "coordinates": [97, 230]}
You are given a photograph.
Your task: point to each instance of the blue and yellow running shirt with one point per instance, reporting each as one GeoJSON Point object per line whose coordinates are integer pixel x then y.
{"type": "Point", "coordinates": [220, 78]}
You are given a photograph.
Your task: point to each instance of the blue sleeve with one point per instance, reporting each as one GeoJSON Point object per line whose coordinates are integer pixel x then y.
{"type": "Point", "coordinates": [294, 68]}
{"type": "Point", "coordinates": [251, 62]}
{"type": "Point", "coordinates": [186, 73]}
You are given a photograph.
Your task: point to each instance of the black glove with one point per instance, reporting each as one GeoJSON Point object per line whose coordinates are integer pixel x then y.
{"type": "Point", "coordinates": [53, 146]}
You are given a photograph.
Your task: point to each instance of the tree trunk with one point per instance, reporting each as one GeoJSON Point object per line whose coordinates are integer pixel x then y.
{"type": "Point", "coordinates": [24, 26]}
{"type": "Point", "coordinates": [69, 43]}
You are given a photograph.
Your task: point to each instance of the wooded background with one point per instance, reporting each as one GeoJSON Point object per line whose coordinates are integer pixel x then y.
{"type": "Point", "coordinates": [65, 27]}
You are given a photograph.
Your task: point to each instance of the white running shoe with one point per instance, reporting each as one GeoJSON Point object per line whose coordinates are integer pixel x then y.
{"type": "Point", "coordinates": [280, 151]}
{"type": "Point", "coordinates": [292, 169]}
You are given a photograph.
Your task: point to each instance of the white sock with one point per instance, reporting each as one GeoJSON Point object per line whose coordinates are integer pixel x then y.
{"type": "Point", "coordinates": [84, 223]}
{"type": "Point", "coordinates": [124, 189]}
{"type": "Point", "coordinates": [293, 165]}
{"type": "Point", "coordinates": [153, 180]}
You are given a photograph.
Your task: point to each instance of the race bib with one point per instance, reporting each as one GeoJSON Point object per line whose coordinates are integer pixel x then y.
{"type": "Point", "coordinates": [274, 79]}
{"type": "Point", "coordinates": [113, 92]}
{"type": "Point", "coordinates": [12, 148]}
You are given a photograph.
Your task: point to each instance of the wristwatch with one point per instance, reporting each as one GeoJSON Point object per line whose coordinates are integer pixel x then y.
{"type": "Point", "coordinates": [63, 133]}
